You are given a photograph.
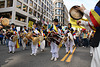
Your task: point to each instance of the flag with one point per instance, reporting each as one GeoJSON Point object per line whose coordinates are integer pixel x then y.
{"type": "Point", "coordinates": [17, 44]}
{"type": "Point", "coordinates": [30, 24]}
{"type": "Point", "coordinates": [54, 27]}
{"type": "Point", "coordinates": [74, 23]}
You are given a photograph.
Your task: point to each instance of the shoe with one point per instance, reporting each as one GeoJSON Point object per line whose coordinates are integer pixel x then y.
{"type": "Point", "coordinates": [10, 52]}
{"type": "Point", "coordinates": [13, 52]}
{"type": "Point", "coordinates": [31, 54]}
{"type": "Point", "coordinates": [34, 54]}
{"type": "Point", "coordinates": [91, 54]}
{"type": "Point", "coordinates": [55, 59]}
{"type": "Point", "coordinates": [52, 58]}
{"type": "Point", "coordinates": [42, 50]}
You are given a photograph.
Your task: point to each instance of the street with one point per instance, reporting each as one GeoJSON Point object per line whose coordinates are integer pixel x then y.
{"type": "Point", "coordinates": [80, 58]}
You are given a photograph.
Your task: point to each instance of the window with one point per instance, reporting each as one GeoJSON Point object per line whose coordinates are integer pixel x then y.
{"type": "Point", "coordinates": [19, 5]}
{"type": "Point", "coordinates": [44, 6]}
{"type": "Point", "coordinates": [34, 13]}
{"type": "Point", "coordinates": [35, 0]}
{"type": "Point", "coordinates": [38, 8]}
{"type": "Point", "coordinates": [39, 2]}
{"type": "Point", "coordinates": [9, 3]}
{"type": "Point", "coordinates": [47, 3]}
{"type": "Point", "coordinates": [58, 17]}
{"type": "Point", "coordinates": [2, 4]}
{"type": "Point", "coordinates": [30, 11]}
{"type": "Point", "coordinates": [6, 15]}
{"type": "Point", "coordinates": [31, 3]}
{"type": "Point", "coordinates": [35, 6]}
{"type": "Point", "coordinates": [38, 15]}
{"type": "Point", "coordinates": [20, 17]}
{"type": "Point", "coordinates": [25, 8]}
{"type": "Point", "coordinates": [59, 4]}
{"type": "Point", "coordinates": [55, 4]}
{"type": "Point", "coordinates": [26, 1]}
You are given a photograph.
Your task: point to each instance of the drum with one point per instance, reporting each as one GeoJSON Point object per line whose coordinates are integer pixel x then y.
{"type": "Point", "coordinates": [15, 38]}
{"type": "Point", "coordinates": [5, 22]}
{"type": "Point", "coordinates": [75, 14]}
{"type": "Point", "coordinates": [35, 40]}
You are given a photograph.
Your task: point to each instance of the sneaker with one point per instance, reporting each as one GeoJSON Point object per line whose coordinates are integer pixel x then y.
{"type": "Point", "coordinates": [13, 52]}
{"type": "Point", "coordinates": [42, 50]}
{"type": "Point", "coordinates": [34, 54]}
{"type": "Point", "coordinates": [31, 54]}
{"type": "Point", "coordinates": [10, 52]}
{"type": "Point", "coordinates": [52, 58]}
{"type": "Point", "coordinates": [55, 59]}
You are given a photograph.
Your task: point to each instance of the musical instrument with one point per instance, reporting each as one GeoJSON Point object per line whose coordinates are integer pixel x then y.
{"type": "Point", "coordinates": [15, 38]}
{"type": "Point", "coordinates": [54, 37]}
{"type": "Point", "coordinates": [5, 22]}
{"type": "Point", "coordinates": [35, 40]}
{"type": "Point", "coordinates": [28, 35]}
{"type": "Point", "coordinates": [75, 14]}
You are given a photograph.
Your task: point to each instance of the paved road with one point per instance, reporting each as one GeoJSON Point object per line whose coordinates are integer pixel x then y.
{"type": "Point", "coordinates": [80, 58]}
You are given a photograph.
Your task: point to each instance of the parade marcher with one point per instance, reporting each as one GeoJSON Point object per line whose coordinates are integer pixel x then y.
{"type": "Point", "coordinates": [24, 39]}
{"type": "Point", "coordinates": [7, 37]}
{"type": "Point", "coordinates": [42, 46]}
{"type": "Point", "coordinates": [34, 47]}
{"type": "Point", "coordinates": [11, 42]}
{"type": "Point", "coordinates": [94, 21]}
{"type": "Point", "coordinates": [71, 41]}
{"type": "Point", "coordinates": [67, 40]}
{"type": "Point", "coordinates": [54, 46]}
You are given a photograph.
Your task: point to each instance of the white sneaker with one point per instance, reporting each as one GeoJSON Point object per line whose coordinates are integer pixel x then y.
{"type": "Point", "coordinates": [31, 54]}
{"type": "Point", "coordinates": [13, 52]}
{"type": "Point", "coordinates": [55, 59]}
{"type": "Point", "coordinates": [52, 58]}
{"type": "Point", "coordinates": [34, 54]}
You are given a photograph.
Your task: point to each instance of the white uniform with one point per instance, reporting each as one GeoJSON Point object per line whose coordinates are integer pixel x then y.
{"type": "Point", "coordinates": [24, 43]}
{"type": "Point", "coordinates": [54, 47]}
{"type": "Point", "coordinates": [34, 47]}
{"type": "Point", "coordinates": [12, 45]}
{"type": "Point", "coordinates": [71, 43]}
{"type": "Point", "coordinates": [96, 51]}
{"type": "Point", "coordinates": [42, 46]}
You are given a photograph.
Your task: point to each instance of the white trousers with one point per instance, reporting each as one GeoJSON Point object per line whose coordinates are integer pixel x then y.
{"type": "Point", "coordinates": [96, 57]}
{"type": "Point", "coordinates": [34, 48]}
{"type": "Point", "coordinates": [67, 45]}
{"type": "Point", "coordinates": [54, 50]}
{"type": "Point", "coordinates": [12, 46]}
{"type": "Point", "coordinates": [42, 46]}
{"type": "Point", "coordinates": [23, 44]}
{"type": "Point", "coordinates": [91, 49]}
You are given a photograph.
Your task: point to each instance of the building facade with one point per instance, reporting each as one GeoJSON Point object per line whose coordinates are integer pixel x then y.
{"type": "Point", "coordinates": [21, 12]}
{"type": "Point", "coordinates": [60, 12]}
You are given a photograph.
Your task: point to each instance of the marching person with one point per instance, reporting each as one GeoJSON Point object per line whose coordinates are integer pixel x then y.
{"type": "Point", "coordinates": [94, 23]}
{"type": "Point", "coordinates": [67, 40]}
{"type": "Point", "coordinates": [42, 46]}
{"type": "Point", "coordinates": [11, 42]}
{"type": "Point", "coordinates": [71, 41]}
{"type": "Point", "coordinates": [24, 39]}
{"type": "Point", "coordinates": [34, 47]}
{"type": "Point", "coordinates": [54, 46]}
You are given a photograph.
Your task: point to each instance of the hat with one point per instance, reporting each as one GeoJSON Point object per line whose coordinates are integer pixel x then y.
{"type": "Point", "coordinates": [24, 26]}
{"type": "Point", "coordinates": [12, 24]}
{"type": "Point", "coordinates": [55, 20]}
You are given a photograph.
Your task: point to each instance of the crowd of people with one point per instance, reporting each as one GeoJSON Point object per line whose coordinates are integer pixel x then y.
{"type": "Point", "coordinates": [74, 37]}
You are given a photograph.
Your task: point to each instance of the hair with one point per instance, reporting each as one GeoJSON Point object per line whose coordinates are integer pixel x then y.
{"type": "Point", "coordinates": [55, 20]}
